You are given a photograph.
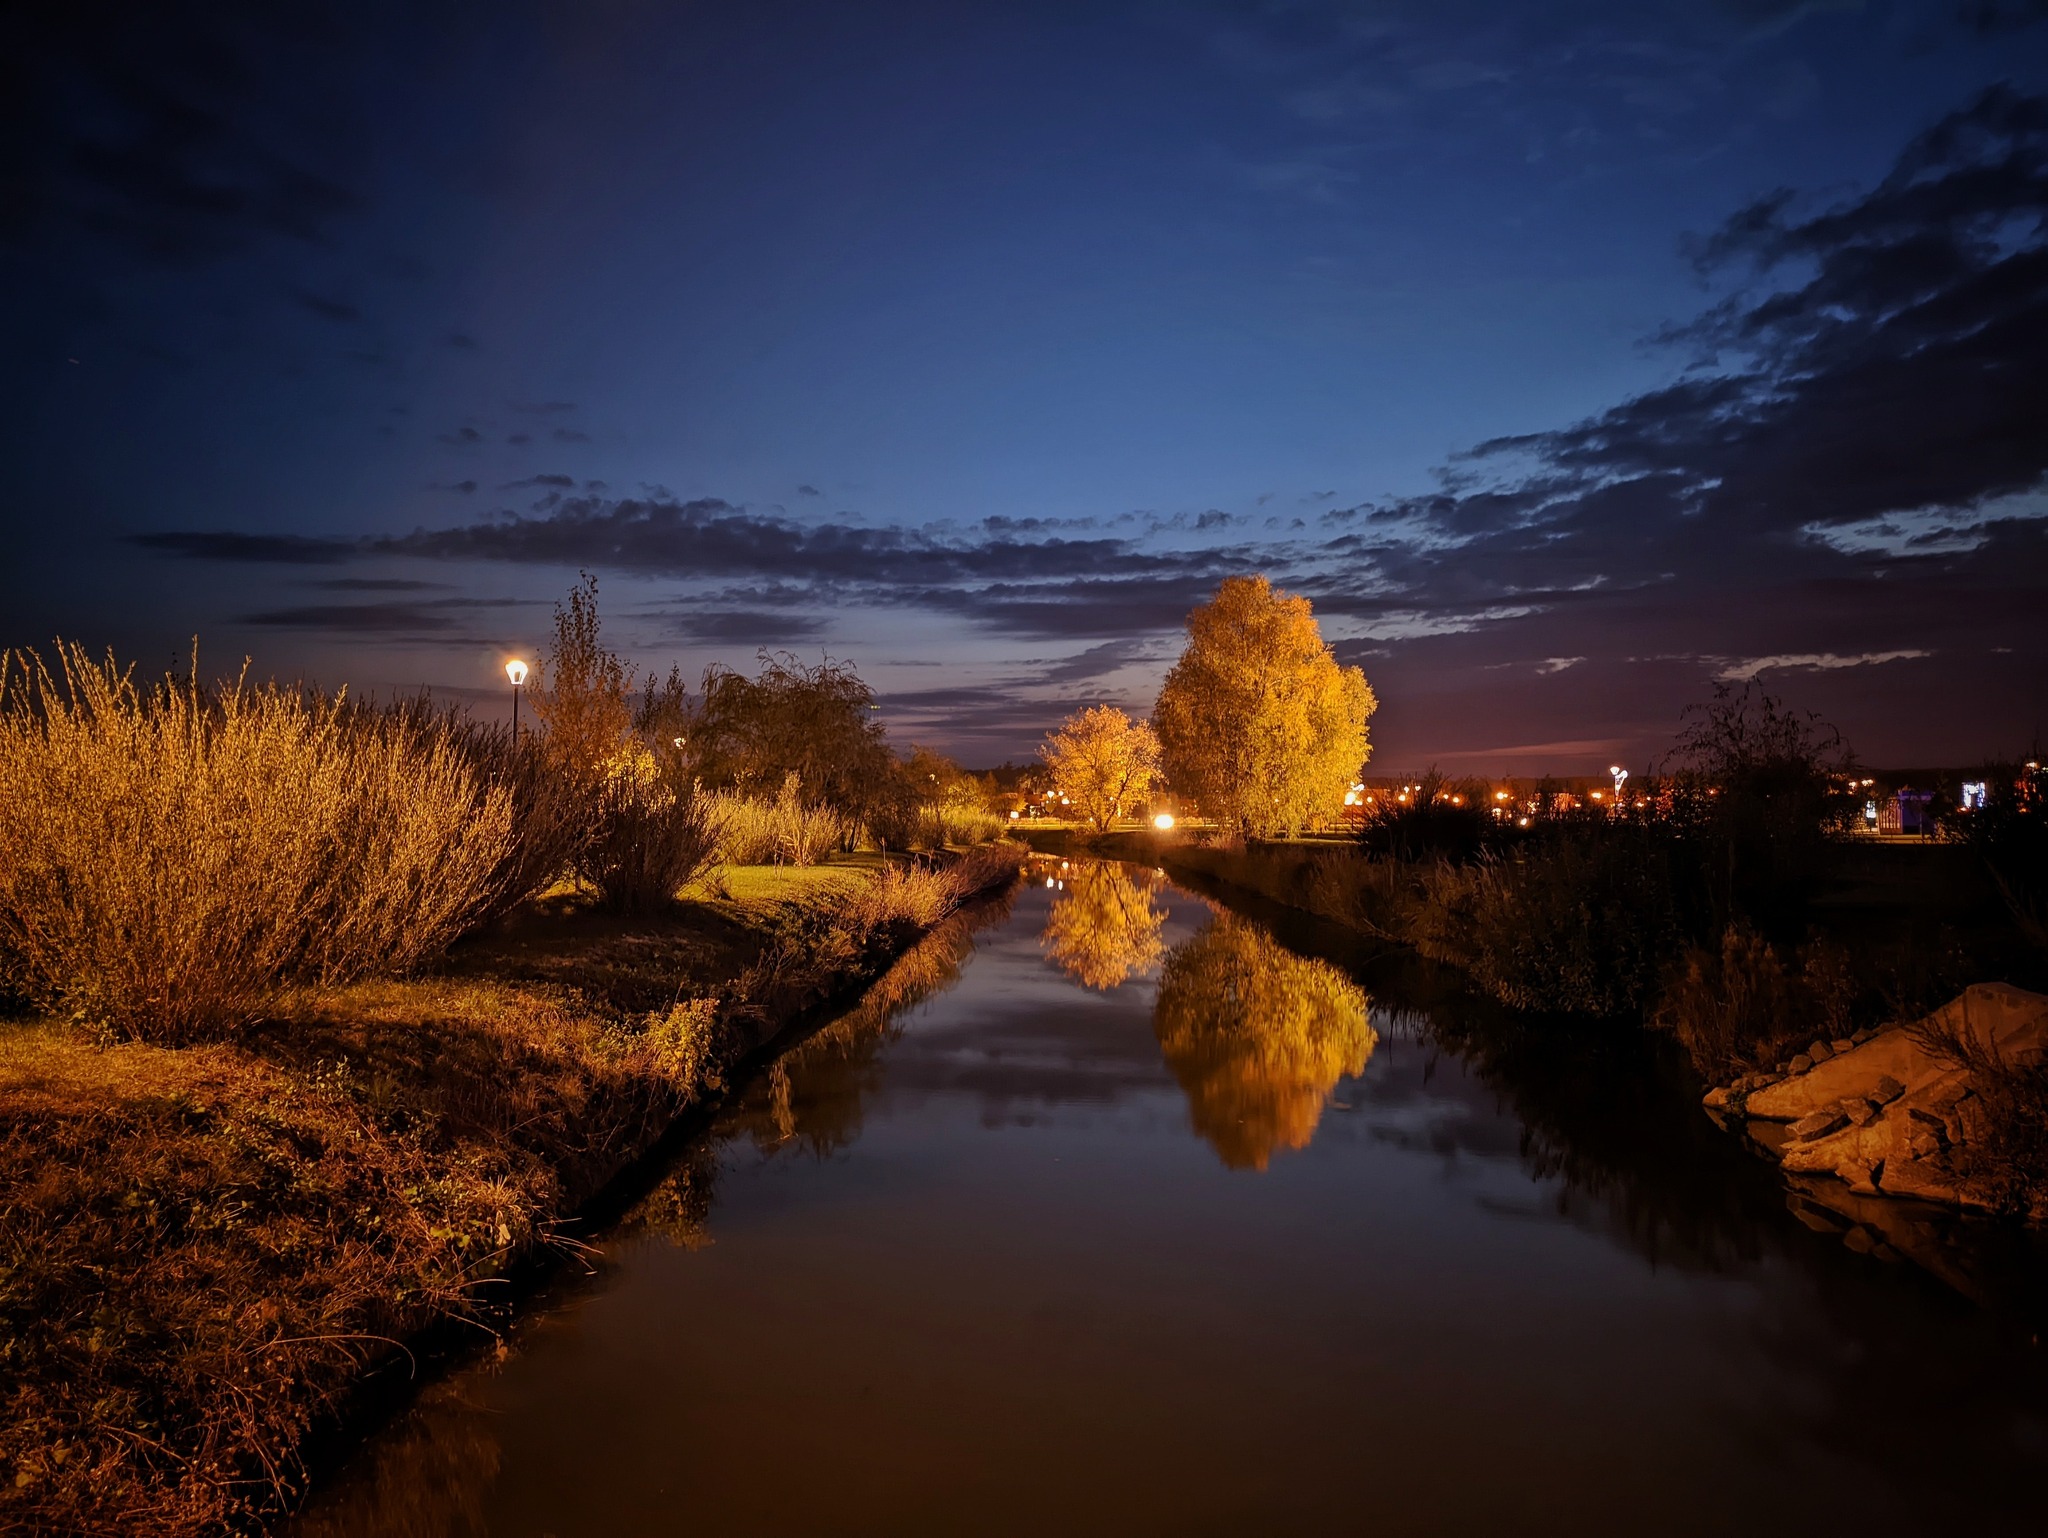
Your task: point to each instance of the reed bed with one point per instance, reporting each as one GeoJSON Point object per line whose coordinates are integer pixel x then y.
{"type": "Point", "coordinates": [172, 854]}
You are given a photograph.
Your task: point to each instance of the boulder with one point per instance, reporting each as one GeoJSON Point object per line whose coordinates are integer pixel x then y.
{"type": "Point", "coordinates": [1843, 1044]}
{"type": "Point", "coordinates": [1820, 1052]}
{"type": "Point", "coordinates": [1817, 1125]}
{"type": "Point", "coordinates": [1799, 1065]}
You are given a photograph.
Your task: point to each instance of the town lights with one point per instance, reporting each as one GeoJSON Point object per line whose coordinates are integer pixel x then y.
{"type": "Point", "coordinates": [516, 671]}
{"type": "Point", "coordinates": [1163, 822]}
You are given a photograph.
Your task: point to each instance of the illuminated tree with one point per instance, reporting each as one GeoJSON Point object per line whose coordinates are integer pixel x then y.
{"type": "Point", "coordinates": [580, 691]}
{"type": "Point", "coordinates": [1257, 1037]}
{"type": "Point", "coordinates": [1105, 927]}
{"type": "Point", "coordinates": [1257, 720]}
{"type": "Point", "coordinates": [1102, 762]}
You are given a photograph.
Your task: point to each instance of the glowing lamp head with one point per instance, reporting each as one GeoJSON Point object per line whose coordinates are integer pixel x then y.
{"type": "Point", "coordinates": [1163, 822]}
{"type": "Point", "coordinates": [516, 671]}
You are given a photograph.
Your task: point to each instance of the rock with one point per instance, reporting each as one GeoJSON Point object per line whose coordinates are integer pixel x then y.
{"type": "Point", "coordinates": [1886, 1090]}
{"type": "Point", "coordinates": [1966, 1124]}
{"type": "Point", "coordinates": [1715, 1099]}
{"type": "Point", "coordinates": [1818, 1125]}
{"type": "Point", "coordinates": [1843, 1044]}
{"type": "Point", "coordinates": [1861, 1113]}
{"type": "Point", "coordinates": [1860, 1037]}
{"type": "Point", "coordinates": [1860, 1175]}
{"type": "Point", "coordinates": [1928, 1179]}
{"type": "Point", "coordinates": [1860, 1240]}
{"type": "Point", "coordinates": [1800, 1064]}
{"type": "Point", "coordinates": [1820, 1052]}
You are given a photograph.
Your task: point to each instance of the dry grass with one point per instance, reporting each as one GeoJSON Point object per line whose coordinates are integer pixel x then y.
{"type": "Point", "coordinates": [204, 1250]}
{"type": "Point", "coordinates": [785, 831]}
{"type": "Point", "coordinates": [170, 854]}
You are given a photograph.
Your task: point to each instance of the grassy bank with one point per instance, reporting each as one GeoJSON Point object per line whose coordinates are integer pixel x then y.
{"type": "Point", "coordinates": [206, 1248]}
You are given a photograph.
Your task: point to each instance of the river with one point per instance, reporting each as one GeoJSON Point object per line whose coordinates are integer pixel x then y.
{"type": "Point", "coordinates": [1126, 1217]}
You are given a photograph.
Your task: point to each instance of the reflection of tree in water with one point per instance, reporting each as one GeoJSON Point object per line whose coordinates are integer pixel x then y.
{"type": "Point", "coordinates": [1257, 1037]}
{"type": "Point", "coordinates": [1105, 927]}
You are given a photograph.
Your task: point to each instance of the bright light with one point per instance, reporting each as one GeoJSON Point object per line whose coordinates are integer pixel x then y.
{"type": "Point", "coordinates": [1594, 794]}
{"type": "Point", "coordinates": [1521, 822]}
{"type": "Point", "coordinates": [679, 742]}
{"type": "Point", "coordinates": [1163, 822]}
{"type": "Point", "coordinates": [1013, 816]}
{"type": "Point", "coordinates": [1500, 795]}
{"type": "Point", "coordinates": [516, 671]}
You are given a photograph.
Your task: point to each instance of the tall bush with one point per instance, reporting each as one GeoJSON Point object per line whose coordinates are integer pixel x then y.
{"type": "Point", "coordinates": [171, 854]}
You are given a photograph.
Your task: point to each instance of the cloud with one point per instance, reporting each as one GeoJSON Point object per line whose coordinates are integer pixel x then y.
{"type": "Point", "coordinates": [461, 437]}
{"type": "Point", "coordinates": [564, 481]}
{"type": "Point", "coordinates": [744, 627]}
{"type": "Point", "coordinates": [544, 408]}
{"type": "Point", "coordinates": [437, 617]}
{"type": "Point", "coordinates": [461, 341]}
{"type": "Point", "coordinates": [808, 491]}
{"type": "Point", "coordinates": [279, 549]}
{"type": "Point", "coordinates": [1742, 672]}
{"type": "Point", "coordinates": [569, 435]}
{"type": "Point", "coordinates": [328, 309]}
{"type": "Point", "coordinates": [375, 585]}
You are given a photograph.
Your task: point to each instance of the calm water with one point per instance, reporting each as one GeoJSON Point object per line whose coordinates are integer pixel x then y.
{"type": "Point", "coordinates": [1137, 1222]}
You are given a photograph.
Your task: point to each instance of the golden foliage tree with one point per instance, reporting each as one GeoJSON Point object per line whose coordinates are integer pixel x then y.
{"type": "Point", "coordinates": [1102, 762]}
{"type": "Point", "coordinates": [1257, 1037]}
{"type": "Point", "coordinates": [1257, 720]}
{"type": "Point", "coordinates": [1105, 927]}
{"type": "Point", "coordinates": [581, 691]}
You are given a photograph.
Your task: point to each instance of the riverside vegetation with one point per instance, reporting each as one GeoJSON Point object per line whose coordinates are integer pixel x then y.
{"type": "Point", "coordinates": [327, 1018]}
{"type": "Point", "coordinates": [1725, 907]}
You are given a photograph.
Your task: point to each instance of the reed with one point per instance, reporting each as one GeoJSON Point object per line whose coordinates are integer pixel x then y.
{"type": "Point", "coordinates": [172, 854]}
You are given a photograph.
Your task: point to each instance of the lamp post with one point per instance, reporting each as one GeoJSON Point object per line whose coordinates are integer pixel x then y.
{"type": "Point", "coordinates": [516, 671]}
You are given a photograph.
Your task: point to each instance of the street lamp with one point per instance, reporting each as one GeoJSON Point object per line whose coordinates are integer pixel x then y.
{"type": "Point", "coordinates": [516, 671]}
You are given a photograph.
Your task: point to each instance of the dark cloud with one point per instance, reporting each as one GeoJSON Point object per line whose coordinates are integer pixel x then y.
{"type": "Point", "coordinates": [1890, 373]}
{"type": "Point", "coordinates": [376, 585]}
{"type": "Point", "coordinates": [461, 340]}
{"type": "Point", "coordinates": [433, 617]}
{"type": "Point", "coordinates": [544, 408]}
{"type": "Point", "coordinates": [808, 491]}
{"type": "Point", "coordinates": [563, 481]}
{"type": "Point", "coordinates": [569, 435]}
{"type": "Point", "coordinates": [176, 134]}
{"type": "Point", "coordinates": [339, 310]}
{"type": "Point", "coordinates": [280, 549]}
{"type": "Point", "coordinates": [462, 437]}
{"type": "Point", "coordinates": [744, 627]}
{"type": "Point", "coordinates": [465, 487]}
{"type": "Point", "coordinates": [520, 440]}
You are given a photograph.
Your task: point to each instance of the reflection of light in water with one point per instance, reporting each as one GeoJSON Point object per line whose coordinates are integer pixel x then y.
{"type": "Point", "coordinates": [1257, 1037]}
{"type": "Point", "coordinates": [1107, 926]}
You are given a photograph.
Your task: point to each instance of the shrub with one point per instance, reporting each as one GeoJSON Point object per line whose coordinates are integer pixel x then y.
{"type": "Point", "coordinates": [1577, 922]}
{"type": "Point", "coordinates": [171, 855]}
{"type": "Point", "coordinates": [647, 839]}
{"type": "Point", "coordinates": [1434, 827]}
{"type": "Point", "coordinates": [1733, 1005]}
{"type": "Point", "coordinates": [785, 831]}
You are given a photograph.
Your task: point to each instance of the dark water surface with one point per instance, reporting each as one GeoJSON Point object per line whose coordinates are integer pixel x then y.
{"type": "Point", "coordinates": [1139, 1223]}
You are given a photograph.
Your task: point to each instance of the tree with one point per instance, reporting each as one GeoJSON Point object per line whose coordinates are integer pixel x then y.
{"type": "Point", "coordinates": [1257, 720]}
{"type": "Point", "coordinates": [817, 723]}
{"type": "Point", "coordinates": [580, 691]}
{"type": "Point", "coordinates": [1105, 927]}
{"type": "Point", "coordinates": [1102, 762]}
{"type": "Point", "coordinates": [1257, 1038]}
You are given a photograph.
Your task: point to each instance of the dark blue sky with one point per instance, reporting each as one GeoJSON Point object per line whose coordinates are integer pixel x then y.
{"type": "Point", "coordinates": [1571, 356]}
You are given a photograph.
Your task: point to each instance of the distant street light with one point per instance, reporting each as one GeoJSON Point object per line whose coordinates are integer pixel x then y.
{"type": "Point", "coordinates": [516, 671]}
{"type": "Point", "coordinates": [1163, 822]}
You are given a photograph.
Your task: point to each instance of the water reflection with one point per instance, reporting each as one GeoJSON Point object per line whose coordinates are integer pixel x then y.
{"type": "Point", "coordinates": [958, 1268]}
{"type": "Point", "coordinates": [1257, 1037]}
{"type": "Point", "coordinates": [1105, 924]}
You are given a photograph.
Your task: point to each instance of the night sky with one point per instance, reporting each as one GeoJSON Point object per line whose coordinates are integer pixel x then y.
{"type": "Point", "coordinates": [1570, 356]}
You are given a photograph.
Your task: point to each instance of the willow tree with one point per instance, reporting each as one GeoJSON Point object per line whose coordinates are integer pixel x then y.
{"type": "Point", "coordinates": [1258, 721]}
{"type": "Point", "coordinates": [1103, 762]}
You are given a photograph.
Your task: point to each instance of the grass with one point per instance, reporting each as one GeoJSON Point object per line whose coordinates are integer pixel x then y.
{"type": "Point", "coordinates": [206, 1249]}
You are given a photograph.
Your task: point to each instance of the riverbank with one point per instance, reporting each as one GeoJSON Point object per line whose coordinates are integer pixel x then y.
{"type": "Point", "coordinates": [206, 1251]}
